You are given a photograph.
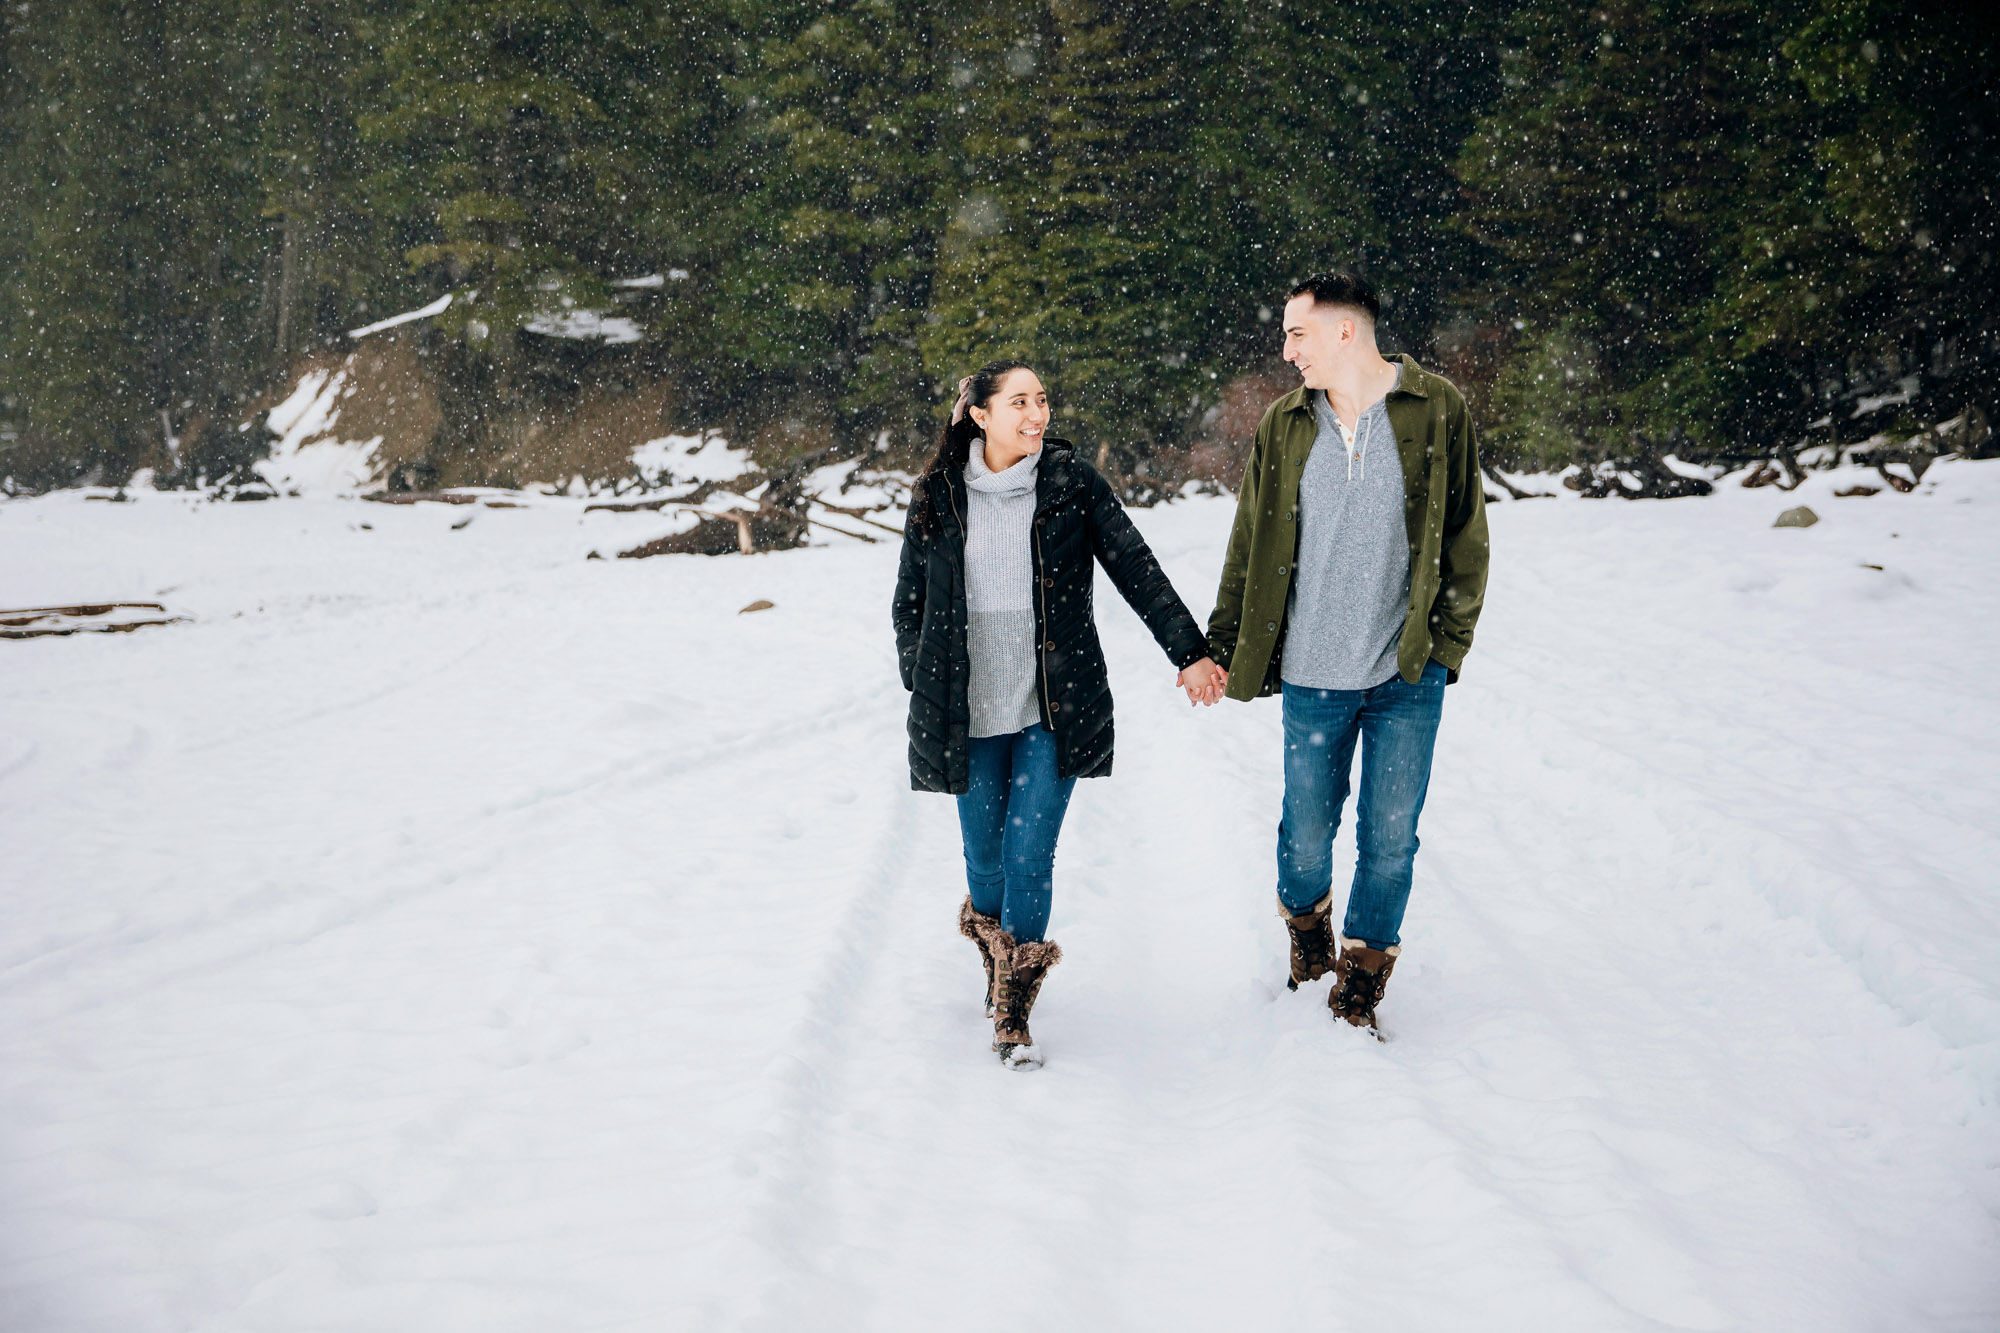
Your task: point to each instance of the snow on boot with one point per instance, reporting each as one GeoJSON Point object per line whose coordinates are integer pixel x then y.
{"type": "Point", "coordinates": [1360, 976]}
{"type": "Point", "coordinates": [984, 931]}
{"type": "Point", "coordinates": [1021, 969]}
{"type": "Point", "coordinates": [1312, 941]}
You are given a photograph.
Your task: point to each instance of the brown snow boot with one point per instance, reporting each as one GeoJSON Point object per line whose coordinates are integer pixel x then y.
{"type": "Point", "coordinates": [1021, 969]}
{"type": "Point", "coordinates": [984, 931]}
{"type": "Point", "coordinates": [1312, 941]}
{"type": "Point", "coordinates": [1361, 974]}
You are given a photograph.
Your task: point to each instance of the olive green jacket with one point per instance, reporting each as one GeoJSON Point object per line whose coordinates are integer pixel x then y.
{"type": "Point", "coordinates": [1444, 509]}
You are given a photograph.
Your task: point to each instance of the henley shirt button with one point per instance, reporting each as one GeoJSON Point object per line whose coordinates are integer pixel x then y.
{"type": "Point", "coordinates": [1281, 569]}
{"type": "Point", "coordinates": [1271, 625]}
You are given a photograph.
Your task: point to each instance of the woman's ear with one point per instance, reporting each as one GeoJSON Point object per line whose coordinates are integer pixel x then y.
{"type": "Point", "coordinates": [979, 417]}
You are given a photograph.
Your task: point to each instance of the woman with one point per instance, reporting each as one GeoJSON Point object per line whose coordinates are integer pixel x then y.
{"type": "Point", "coordinates": [1009, 703]}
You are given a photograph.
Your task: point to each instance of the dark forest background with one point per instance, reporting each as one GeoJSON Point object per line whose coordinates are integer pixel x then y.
{"type": "Point", "coordinates": [1705, 227]}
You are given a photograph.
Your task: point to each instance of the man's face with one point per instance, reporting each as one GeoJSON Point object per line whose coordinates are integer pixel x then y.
{"type": "Point", "coordinates": [1318, 339]}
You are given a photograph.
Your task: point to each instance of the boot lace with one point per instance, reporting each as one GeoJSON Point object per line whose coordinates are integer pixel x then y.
{"type": "Point", "coordinates": [1017, 998]}
{"type": "Point", "coordinates": [1361, 991]}
{"type": "Point", "coordinates": [1312, 951]}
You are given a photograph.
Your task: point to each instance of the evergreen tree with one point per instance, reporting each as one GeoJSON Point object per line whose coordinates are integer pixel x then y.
{"type": "Point", "coordinates": [1702, 225]}
{"type": "Point", "coordinates": [1326, 138]}
{"type": "Point", "coordinates": [1062, 249]}
{"type": "Point", "coordinates": [678, 213]}
{"type": "Point", "coordinates": [1435, 71]}
{"type": "Point", "coordinates": [1282, 169]}
{"type": "Point", "coordinates": [521, 133]}
{"type": "Point", "coordinates": [130, 204]}
{"type": "Point", "coordinates": [1864, 248]}
{"type": "Point", "coordinates": [332, 259]}
{"type": "Point", "coordinates": [1598, 180]}
{"type": "Point", "coordinates": [841, 215]}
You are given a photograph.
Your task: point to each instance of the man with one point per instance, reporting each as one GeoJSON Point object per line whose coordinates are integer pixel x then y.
{"type": "Point", "coordinates": [1354, 576]}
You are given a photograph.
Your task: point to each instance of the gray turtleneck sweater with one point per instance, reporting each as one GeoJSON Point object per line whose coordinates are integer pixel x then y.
{"type": "Point", "coordinates": [999, 594]}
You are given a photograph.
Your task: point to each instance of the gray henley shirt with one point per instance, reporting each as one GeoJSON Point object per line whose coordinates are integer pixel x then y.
{"type": "Point", "coordinates": [1351, 588]}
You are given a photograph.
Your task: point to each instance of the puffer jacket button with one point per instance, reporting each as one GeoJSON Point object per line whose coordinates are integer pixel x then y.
{"type": "Point", "coordinates": [1055, 708]}
{"type": "Point", "coordinates": [1048, 583]}
{"type": "Point", "coordinates": [1050, 645]}
{"type": "Point", "coordinates": [1271, 625]}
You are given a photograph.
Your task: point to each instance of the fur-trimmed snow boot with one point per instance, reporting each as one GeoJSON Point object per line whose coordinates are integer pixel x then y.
{"type": "Point", "coordinates": [1022, 968]}
{"type": "Point", "coordinates": [984, 931]}
{"type": "Point", "coordinates": [1312, 941]}
{"type": "Point", "coordinates": [1361, 974]}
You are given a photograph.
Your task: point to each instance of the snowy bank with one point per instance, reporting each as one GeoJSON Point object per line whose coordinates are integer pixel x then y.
{"type": "Point", "coordinates": [439, 929]}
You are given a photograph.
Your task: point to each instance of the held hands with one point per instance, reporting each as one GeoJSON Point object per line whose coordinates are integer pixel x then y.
{"type": "Point", "coordinates": [1204, 682]}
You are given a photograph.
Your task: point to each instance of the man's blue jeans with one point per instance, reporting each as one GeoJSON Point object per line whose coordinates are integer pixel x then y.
{"type": "Point", "coordinates": [1397, 724]}
{"type": "Point", "coordinates": [1010, 816]}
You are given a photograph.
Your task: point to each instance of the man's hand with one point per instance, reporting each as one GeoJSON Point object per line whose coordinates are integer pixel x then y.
{"type": "Point", "coordinates": [1204, 682]}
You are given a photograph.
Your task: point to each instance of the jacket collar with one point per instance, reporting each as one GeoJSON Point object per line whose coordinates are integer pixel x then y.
{"type": "Point", "coordinates": [1055, 478]}
{"type": "Point", "coordinates": [1416, 383]}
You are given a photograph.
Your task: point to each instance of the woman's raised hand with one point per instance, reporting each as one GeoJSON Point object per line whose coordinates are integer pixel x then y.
{"type": "Point", "coordinates": [1204, 682]}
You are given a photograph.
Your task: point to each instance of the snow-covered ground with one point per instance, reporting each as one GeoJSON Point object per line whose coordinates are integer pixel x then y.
{"type": "Point", "coordinates": [442, 931]}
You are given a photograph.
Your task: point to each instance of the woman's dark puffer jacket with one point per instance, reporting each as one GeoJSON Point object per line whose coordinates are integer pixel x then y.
{"type": "Point", "coordinates": [1077, 517]}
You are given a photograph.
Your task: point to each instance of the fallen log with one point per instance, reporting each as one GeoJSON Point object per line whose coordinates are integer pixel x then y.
{"type": "Point", "coordinates": [1493, 475]}
{"type": "Point", "coordinates": [764, 528]}
{"type": "Point", "coordinates": [40, 622]}
{"type": "Point", "coordinates": [419, 497]}
{"type": "Point", "coordinates": [855, 513]}
{"type": "Point", "coordinates": [83, 609]}
{"type": "Point", "coordinates": [711, 536]}
{"type": "Point", "coordinates": [59, 631]}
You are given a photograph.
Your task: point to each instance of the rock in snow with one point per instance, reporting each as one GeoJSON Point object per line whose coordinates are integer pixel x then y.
{"type": "Point", "coordinates": [1799, 516]}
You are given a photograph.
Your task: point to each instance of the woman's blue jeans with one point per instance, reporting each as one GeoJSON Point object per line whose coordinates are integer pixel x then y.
{"type": "Point", "coordinates": [1396, 723]}
{"type": "Point", "coordinates": [1010, 816]}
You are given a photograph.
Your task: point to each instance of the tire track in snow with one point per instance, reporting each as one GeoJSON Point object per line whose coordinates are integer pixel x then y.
{"type": "Point", "coordinates": [780, 1275]}
{"type": "Point", "coordinates": [252, 923]}
{"type": "Point", "coordinates": [1709, 846]}
{"type": "Point", "coordinates": [809, 726]}
{"type": "Point", "coordinates": [1270, 1122]}
{"type": "Point", "coordinates": [1661, 939]}
{"type": "Point", "coordinates": [1624, 1090]}
{"type": "Point", "coordinates": [1528, 1159]}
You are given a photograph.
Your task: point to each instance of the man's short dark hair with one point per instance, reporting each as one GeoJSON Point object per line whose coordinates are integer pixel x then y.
{"type": "Point", "coordinates": [1349, 289]}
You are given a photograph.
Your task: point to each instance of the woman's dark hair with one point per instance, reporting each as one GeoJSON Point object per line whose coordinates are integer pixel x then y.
{"type": "Point", "coordinates": [955, 440]}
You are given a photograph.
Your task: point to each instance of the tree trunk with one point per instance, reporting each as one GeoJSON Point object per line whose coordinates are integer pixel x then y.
{"type": "Point", "coordinates": [288, 277]}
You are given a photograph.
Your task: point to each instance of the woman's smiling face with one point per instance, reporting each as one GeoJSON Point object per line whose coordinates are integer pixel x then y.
{"type": "Point", "coordinates": [1014, 419]}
